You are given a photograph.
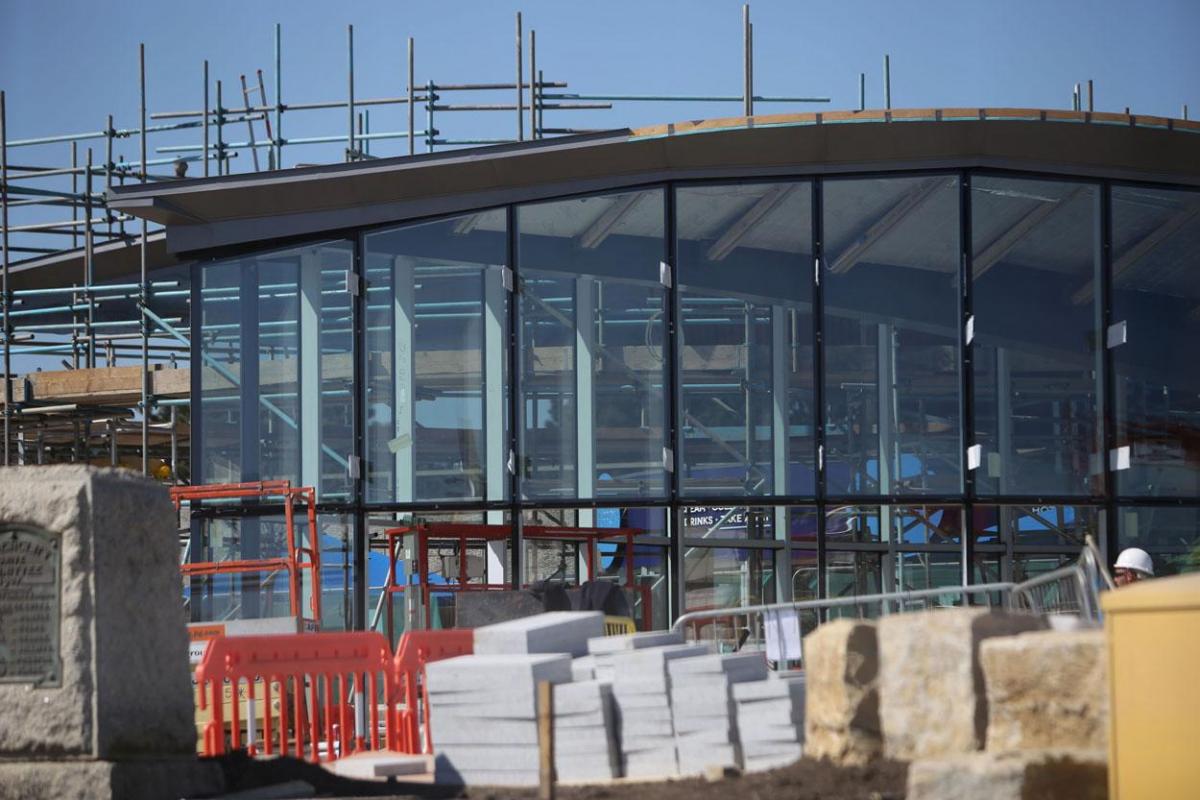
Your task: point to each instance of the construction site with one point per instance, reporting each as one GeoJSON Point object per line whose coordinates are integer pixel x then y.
{"type": "Point", "coordinates": [718, 443]}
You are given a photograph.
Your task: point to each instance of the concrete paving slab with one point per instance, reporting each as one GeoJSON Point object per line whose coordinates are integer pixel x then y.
{"type": "Point", "coordinates": [634, 641]}
{"type": "Point", "coordinates": [552, 632]}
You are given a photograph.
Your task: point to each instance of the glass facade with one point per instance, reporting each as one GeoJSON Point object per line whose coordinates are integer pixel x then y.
{"type": "Point", "coordinates": [801, 387]}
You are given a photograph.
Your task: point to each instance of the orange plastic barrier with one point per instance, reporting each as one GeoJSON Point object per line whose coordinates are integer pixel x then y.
{"type": "Point", "coordinates": [314, 678]}
{"type": "Point", "coordinates": [418, 648]}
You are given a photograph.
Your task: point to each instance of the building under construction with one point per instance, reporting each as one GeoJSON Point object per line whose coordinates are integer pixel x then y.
{"type": "Point", "coordinates": [797, 355]}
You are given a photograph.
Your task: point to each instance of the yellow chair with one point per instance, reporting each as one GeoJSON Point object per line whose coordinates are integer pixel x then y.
{"type": "Point", "coordinates": [617, 626]}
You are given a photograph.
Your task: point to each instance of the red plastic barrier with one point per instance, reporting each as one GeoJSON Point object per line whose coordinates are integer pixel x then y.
{"type": "Point", "coordinates": [418, 648]}
{"type": "Point", "coordinates": [318, 676]}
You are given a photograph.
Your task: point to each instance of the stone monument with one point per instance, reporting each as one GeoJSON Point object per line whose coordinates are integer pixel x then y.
{"type": "Point", "coordinates": [95, 699]}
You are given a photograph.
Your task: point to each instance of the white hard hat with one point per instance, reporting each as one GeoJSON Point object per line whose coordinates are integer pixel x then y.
{"type": "Point", "coordinates": [1136, 559]}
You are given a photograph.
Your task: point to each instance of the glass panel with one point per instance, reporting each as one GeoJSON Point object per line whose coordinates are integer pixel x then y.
{"type": "Point", "coordinates": [921, 524]}
{"type": "Point", "coordinates": [729, 522]}
{"type": "Point", "coordinates": [326, 296]}
{"type": "Point", "coordinates": [1038, 526]}
{"type": "Point", "coordinates": [917, 571]}
{"type": "Point", "coordinates": [988, 568]}
{"type": "Point", "coordinates": [1156, 296]}
{"type": "Point", "coordinates": [644, 578]}
{"type": "Point", "coordinates": [276, 316]}
{"type": "Point", "coordinates": [1038, 353]}
{"type": "Point", "coordinates": [592, 334]}
{"type": "Point", "coordinates": [892, 336]}
{"type": "Point", "coordinates": [437, 349]}
{"type": "Point", "coordinates": [851, 574]}
{"type": "Point", "coordinates": [746, 365]}
{"type": "Point", "coordinates": [337, 571]}
{"type": "Point", "coordinates": [1170, 535]}
{"type": "Point", "coordinates": [276, 351]}
{"type": "Point", "coordinates": [220, 357]}
{"type": "Point", "coordinates": [414, 603]}
{"type": "Point", "coordinates": [726, 577]}
{"type": "Point", "coordinates": [253, 595]}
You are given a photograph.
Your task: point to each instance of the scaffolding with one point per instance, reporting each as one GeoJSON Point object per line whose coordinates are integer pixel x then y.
{"type": "Point", "coordinates": [122, 394]}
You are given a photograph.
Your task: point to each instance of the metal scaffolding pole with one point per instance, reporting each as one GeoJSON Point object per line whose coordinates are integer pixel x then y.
{"type": "Point", "coordinates": [88, 266]}
{"type": "Point", "coordinates": [533, 87]}
{"type": "Point", "coordinates": [887, 82]}
{"type": "Point", "coordinates": [108, 168]}
{"type": "Point", "coordinates": [220, 120]}
{"type": "Point", "coordinates": [350, 153]}
{"type": "Point", "coordinates": [278, 97]}
{"type": "Point", "coordinates": [205, 119]}
{"type": "Point", "coordinates": [5, 300]}
{"type": "Point", "coordinates": [747, 64]}
{"type": "Point", "coordinates": [520, 78]}
{"type": "Point", "coordinates": [144, 288]}
{"type": "Point", "coordinates": [412, 142]}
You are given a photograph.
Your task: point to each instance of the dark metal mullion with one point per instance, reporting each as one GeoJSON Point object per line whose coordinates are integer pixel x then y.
{"type": "Point", "coordinates": [516, 405]}
{"type": "Point", "coordinates": [733, 542]}
{"type": "Point", "coordinates": [967, 376]}
{"type": "Point", "coordinates": [818, 322]}
{"type": "Point", "coordinates": [195, 451]}
{"type": "Point", "coordinates": [358, 305]}
{"type": "Point", "coordinates": [675, 565]}
{"type": "Point", "coordinates": [1108, 370]}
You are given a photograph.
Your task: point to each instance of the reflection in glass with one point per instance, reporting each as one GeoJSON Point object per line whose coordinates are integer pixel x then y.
{"type": "Point", "coordinates": [726, 577]}
{"type": "Point", "coordinates": [219, 406]}
{"type": "Point", "coordinates": [437, 327]}
{"type": "Point", "coordinates": [276, 353]}
{"type": "Point", "coordinates": [1038, 354]}
{"type": "Point", "coordinates": [891, 322]}
{"type": "Point", "coordinates": [746, 366]}
{"type": "Point", "coordinates": [1156, 296]}
{"type": "Point", "coordinates": [1037, 526]}
{"type": "Point", "coordinates": [897, 525]}
{"type": "Point", "coordinates": [1170, 535]}
{"type": "Point", "coordinates": [728, 522]}
{"type": "Point", "coordinates": [265, 593]}
{"type": "Point", "coordinates": [592, 334]}
{"type": "Point", "coordinates": [850, 574]}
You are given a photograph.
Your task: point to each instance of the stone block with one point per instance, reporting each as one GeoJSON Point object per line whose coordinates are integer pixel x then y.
{"type": "Point", "coordinates": [842, 700]}
{"type": "Point", "coordinates": [114, 666]}
{"type": "Point", "coordinates": [634, 641]}
{"type": "Point", "coordinates": [1047, 689]}
{"type": "Point", "coordinates": [932, 700]}
{"type": "Point", "coordinates": [1025, 775]}
{"type": "Point", "coordinates": [552, 632]}
{"type": "Point", "coordinates": [102, 780]}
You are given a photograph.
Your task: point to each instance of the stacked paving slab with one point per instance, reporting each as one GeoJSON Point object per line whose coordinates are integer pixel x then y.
{"type": "Point", "coordinates": [642, 698]}
{"type": "Point", "coordinates": [483, 707]}
{"type": "Point", "coordinates": [584, 742]}
{"type": "Point", "coordinates": [702, 712]}
{"type": "Point", "coordinates": [770, 717]}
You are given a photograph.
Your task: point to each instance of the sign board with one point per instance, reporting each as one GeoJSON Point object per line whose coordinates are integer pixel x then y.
{"type": "Point", "coordinates": [782, 627]}
{"type": "Point", "coordinates": [30, 598]}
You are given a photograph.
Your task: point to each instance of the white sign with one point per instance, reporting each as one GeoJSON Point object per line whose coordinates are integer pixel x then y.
{"type": "Point", "coordinates": [783, 634]}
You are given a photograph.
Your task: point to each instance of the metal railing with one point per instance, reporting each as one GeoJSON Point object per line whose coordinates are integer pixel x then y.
{"type": "Point", "coordinates": [1073, 589]}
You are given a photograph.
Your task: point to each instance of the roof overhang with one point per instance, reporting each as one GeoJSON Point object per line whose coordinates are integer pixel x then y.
{"type": "Point", "coordinates": [205, 214]}
{"type": "Point", "coordinates": [110, 261]}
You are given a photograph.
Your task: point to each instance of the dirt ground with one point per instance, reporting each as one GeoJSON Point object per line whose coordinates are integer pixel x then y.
{"type": "Point", "coordinates": [805, 780]}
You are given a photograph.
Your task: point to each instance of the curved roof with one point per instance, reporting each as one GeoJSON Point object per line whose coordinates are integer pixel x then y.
{"type": "Point", "coordinates": [217, 212]}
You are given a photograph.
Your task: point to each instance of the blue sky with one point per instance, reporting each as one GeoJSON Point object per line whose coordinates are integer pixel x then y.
{"type": "Point", "coordinates": [65, 65]}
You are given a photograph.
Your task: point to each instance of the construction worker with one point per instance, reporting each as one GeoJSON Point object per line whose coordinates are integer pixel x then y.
{"type": "Point", "coordinates": [1133, 565]}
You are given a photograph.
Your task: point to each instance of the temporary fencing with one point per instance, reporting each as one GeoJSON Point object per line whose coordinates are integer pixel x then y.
{"type": "Point", "coordinates": [318, 692]}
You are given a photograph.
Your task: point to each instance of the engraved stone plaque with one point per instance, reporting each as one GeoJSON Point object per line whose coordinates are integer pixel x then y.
{"type": "Point", "coordinates": [30, 597]}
